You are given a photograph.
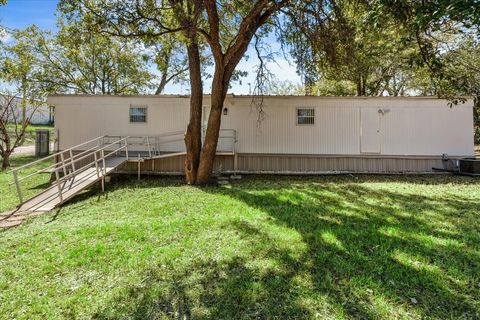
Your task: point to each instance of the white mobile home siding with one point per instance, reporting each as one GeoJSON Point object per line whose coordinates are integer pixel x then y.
{"type": "Point", "coordinates": [410, 127]}
{"type": "Point", "coordinates": [344, 126]}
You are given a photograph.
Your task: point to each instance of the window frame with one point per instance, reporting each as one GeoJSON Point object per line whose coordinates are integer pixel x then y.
{"type": "Point", "coordinates": [133, 106]}
{"type": "Point", "coordinates": [297, 117]}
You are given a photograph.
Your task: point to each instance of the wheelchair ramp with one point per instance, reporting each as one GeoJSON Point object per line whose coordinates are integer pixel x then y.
{"type": "Point", "coordinates": [72, 171]}
{"type": "Point", "coordinates": [60, 192]}
{"type": "Point", "coordinates": [79, 167]}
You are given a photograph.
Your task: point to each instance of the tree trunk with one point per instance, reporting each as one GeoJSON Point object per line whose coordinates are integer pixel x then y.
{"type": "Point", "coordinates": [359, 87]}
{"type": "Point", "coordinates": [6, 160]}
{"type": "Point", "coordinates": [163, 83]}
{"type": "Point", "coordinates": [225, 64]}
{"type": "Point", "coordinates": [220, 82]}
{"type": "Point", "coordinates": [24, 107]}
{"type": "Point", "coordinates": [209, 150]}
{"type": "Point", "coordinates": [193, 135]}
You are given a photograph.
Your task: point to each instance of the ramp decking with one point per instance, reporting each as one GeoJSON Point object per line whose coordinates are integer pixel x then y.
{"type": "Point", "coordinates": [50, 198]}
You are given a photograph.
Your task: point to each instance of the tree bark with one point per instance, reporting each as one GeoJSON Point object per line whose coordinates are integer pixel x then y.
{"type": "Point", "coordinates": [24, 107]}
{"type": "Point", "coordinates": [163, 83]}
{"type": "Point", "coordinates": [193, 135]}
{"type": "Point", "coordinates": [6, 160]}
{"type": "Point", "coordinates": [209, 150]}
{"type": "Point", "coordinates": [5, 148]}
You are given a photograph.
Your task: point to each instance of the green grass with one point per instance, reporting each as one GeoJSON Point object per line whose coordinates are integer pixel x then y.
{"type": "Point", "coordinates": [30, 132]}
{"type": "Point", "coordinates": [30, 186]}
{"type": "Point", "coordinates": [396, 247]}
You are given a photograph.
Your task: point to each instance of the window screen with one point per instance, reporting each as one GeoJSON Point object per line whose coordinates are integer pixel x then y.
{"type": "Point", "coordinates": [138, 114]}
{"type": "Point", "coordinates": [305, 116]}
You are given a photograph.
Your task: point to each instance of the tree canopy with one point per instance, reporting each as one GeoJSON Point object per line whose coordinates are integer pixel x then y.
{"type": "Point", "coordinates": [341, 47]}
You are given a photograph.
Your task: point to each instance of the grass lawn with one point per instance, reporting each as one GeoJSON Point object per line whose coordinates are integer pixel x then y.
{"type": "Point", "coordinates": [397, 247]}
{"type": "Point", "coordinates": [30, 186]}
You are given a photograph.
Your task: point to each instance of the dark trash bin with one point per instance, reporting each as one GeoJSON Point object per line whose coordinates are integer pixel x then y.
{"type": "Point", "coordinates": [42, 142]}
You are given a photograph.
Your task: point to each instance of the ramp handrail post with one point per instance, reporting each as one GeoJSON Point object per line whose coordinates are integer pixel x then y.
{"type": "Point", "coordinates": [126, 147]}
{"type": "Point", "coordinates": [104, 170]}
{"type": "Point", "coordinates": [63, 164]}
{"type": "Point", "coordinates": [71, 160]}
{"type": "Point", "coordinates": [235, 156]}
{"type": "Point", "coordinates": [149, 149]}
{"type": "Point", "coordinates": [138, 166]}
{"type": "Point", "coordinates": [17, 185]}
{"type": "Point", "coordinates": [96, 163]}
{"type": "Point", "coordinates": [57, 176]}
{"type": "Point", "coordinates": [103, 162]}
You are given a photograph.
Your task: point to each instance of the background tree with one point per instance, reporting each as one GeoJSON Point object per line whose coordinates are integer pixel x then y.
{"type": "Point", "coordinates": [171, 61]}
{"type": "Point", "coordinates": [77, 61]}
{"type": "Point", "coordinates": [13, 125]}
{"type": "Point", "coordinates": [18, 65]}
{"type": "Point", "coordinates": [347, 52]}
{"type": "Point", "coordinates": [285, 87]}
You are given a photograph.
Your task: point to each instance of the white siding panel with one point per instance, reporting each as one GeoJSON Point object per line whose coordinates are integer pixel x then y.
{"type": "Point", "coordinates": [335, 130]}
{"type": "Point", "coordinates": [78, 119]}
{"type": "Point", "coordinates": [410, 126]}
{"type": "Point", "coordinates": [428, 131]}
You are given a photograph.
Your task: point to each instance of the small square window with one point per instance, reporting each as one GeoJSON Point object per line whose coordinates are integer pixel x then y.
{"type": "Point", "coordinates": [305, 116]}
{"type": "Point", "coordinates": [138, 114]}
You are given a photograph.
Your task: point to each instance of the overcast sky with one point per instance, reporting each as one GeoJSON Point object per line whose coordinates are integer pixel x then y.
{"type": "Point", "coordinates": [21, 13]}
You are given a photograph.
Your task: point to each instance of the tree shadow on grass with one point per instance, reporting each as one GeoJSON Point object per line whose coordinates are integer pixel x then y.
{"type": "Point", "coordinates": [368, 253]}
{"type": "Point", "coordinates": [209, 290]}
{"type": "Point", "coordinates": [366, 246]}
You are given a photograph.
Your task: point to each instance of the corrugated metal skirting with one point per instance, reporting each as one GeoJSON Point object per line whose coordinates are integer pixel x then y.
{"type": "Point", "coordinates": [297, 164]}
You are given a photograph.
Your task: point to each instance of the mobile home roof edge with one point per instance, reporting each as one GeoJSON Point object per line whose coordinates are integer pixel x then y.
{"type": "Point", "coordinates": [249, 96]}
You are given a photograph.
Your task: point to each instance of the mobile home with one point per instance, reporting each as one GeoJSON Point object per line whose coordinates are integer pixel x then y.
{"type": "Point", "coordinates": [293, 135]}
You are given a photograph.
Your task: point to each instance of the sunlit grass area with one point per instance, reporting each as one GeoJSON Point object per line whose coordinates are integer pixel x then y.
{"type": "Point", "coordinates": [341, 247]}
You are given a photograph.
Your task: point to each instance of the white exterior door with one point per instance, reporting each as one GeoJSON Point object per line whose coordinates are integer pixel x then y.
{"type": "Point", "coordinates": [371, 135]}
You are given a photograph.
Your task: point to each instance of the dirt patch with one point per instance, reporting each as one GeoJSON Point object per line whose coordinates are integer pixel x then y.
{"type": "Point", "coordinates": [11, 219]}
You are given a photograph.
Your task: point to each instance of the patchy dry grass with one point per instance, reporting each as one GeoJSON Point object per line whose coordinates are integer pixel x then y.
{"type": "Point", "coordinates": [318, 247]}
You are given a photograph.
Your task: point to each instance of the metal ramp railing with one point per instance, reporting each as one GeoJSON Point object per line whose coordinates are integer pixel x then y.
{"type": "Point", "coordinates": [78, 167]}
{"type": "Point", "coordinates": [172, 144]}
{"type": "Point", "coordinates": [72, 171]}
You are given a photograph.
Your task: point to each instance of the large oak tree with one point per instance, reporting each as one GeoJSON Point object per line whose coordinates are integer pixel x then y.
{"type": "Point", "coordinates": [226, 27]}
